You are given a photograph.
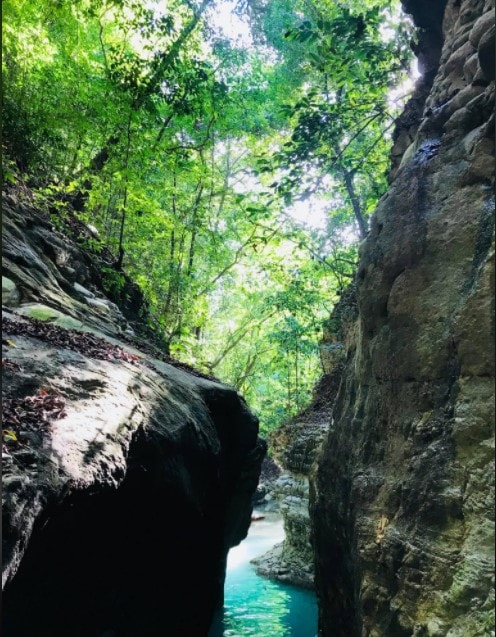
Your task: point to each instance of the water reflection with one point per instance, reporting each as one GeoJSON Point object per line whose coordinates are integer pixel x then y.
{"type": "Point", "coordinates": [257, 607]}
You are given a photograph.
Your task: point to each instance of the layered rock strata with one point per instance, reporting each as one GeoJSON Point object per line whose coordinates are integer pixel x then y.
{"type": "Point", "coordinates": [46, 273]}
{"type": "Point", "coordinates": [295, 446]}
{"type": "Point", "coordinates": [402, 498]}
{"type": "Point", "coordinates": [119, 511]}
{"type": "Point", "coordinates": [292, 560]}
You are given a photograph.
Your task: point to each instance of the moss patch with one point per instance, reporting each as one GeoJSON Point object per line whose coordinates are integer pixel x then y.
{"type": "Point", "coordinates": [50, 315]}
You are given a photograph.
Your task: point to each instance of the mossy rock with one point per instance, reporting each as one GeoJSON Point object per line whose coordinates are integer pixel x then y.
{"type": "Point", "coordinates": [49, 314]}
{"type": "Point", "coordinates": [10, 293]}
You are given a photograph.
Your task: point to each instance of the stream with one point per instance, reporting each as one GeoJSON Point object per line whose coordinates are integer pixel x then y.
{"type": "Point", "coordinates": [258, 607]}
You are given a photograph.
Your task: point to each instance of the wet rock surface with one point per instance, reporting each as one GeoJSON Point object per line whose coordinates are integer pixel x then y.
{"type": "Point", "coordinates": [402, 498]}
{"type": "Point", "coordinates": [125, 479]}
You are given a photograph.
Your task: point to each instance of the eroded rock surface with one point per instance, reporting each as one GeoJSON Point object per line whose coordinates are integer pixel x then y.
{"type": "Point", "coordinates": [118, 513]}
{"type": "Point", "coordinates": [263, 497]}
{"type": "Point", "coordinates": [295, 446]}
{"type": "Point", "coordinates": [402, 499]}
{"type": "Point", "coordinates": [292, 560]}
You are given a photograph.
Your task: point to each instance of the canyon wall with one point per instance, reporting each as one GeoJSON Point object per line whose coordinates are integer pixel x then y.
{"type": "Point", "coordinates": [126, 478]}
{"type": "Point", "coordinates": [295, 445]}
{"type": "Point", "coordinates": [402, 494]}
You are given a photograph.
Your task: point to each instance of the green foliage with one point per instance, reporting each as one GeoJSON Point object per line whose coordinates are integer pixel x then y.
{"type": "Point", "coordinates": [113, 281]}
{"type": "Point", "coordinates": [185, 149]}
{"type": "Point", "coordinates": [341, 121]}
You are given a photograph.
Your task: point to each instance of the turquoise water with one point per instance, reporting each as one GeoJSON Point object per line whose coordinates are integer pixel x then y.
{"type": "Point", "coordinates": [257, 607]}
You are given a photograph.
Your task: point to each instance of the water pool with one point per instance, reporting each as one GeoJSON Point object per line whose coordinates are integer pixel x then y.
{"type": "Point", "coordinates": [257, 607]}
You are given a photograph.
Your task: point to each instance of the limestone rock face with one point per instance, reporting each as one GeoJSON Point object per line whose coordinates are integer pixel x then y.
{"type": "Point", "coordinates": [292, 561]}
{"type": "Point", "coordinates": [295, 445]}
{"type": "Point", "coordinates": [117, 513]}
{"type": "Point", "coordinates": [269, 474]}
{"type": "Point", "coordinates": [402, 495]}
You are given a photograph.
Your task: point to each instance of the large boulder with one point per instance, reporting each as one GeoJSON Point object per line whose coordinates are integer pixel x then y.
{"type": "Point", "coordinates": [120, 505]}
{"type": "Point", "coordinates": [125, 479]}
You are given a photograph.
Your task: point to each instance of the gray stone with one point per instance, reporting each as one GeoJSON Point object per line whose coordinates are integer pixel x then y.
{"type": "Point", "coordinates": [93, 231]}
{"type": "Point", "coordinates": [100, 304]}
{"type": "Point", "coordinates": [82, 290]}
{"type": "Point", "coordinates": [51, 315]}
{"type": "Point", "coordinates": [285, 566]}
{"type": "Point", "coordinates": [481, 26]}
{"type": "Point", "coordinates": [486, 53]}
{"type": "Point", "coordinates": [10, 292]}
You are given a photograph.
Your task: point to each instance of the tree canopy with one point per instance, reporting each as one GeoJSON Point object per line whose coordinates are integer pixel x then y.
{"type": "Point", "coordinates": [196, 150]}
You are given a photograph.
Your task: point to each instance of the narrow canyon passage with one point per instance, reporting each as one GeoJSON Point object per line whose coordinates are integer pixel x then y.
{"type": "Point", "coordinates": [258, 607]}
{"type": "Point", "coordinates": [237, 231]}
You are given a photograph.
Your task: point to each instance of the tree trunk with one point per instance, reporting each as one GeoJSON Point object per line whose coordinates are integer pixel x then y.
{"type": "Point", "coordinates": [79, 199]}
{"type": "Point", "coordinates": [357, 209]}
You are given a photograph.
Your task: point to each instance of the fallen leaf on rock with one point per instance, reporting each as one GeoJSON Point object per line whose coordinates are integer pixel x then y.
{"type": "Point", "coordinates": [9, 436]}
{"type": "Point", "coordinates": [91, 345]}
{"type": "Point", "coordinates": [11, 365]}
{"type": "Point", "coordinates": [31, 413]}
{"type": "Point", "coordinates": [82, 342]}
